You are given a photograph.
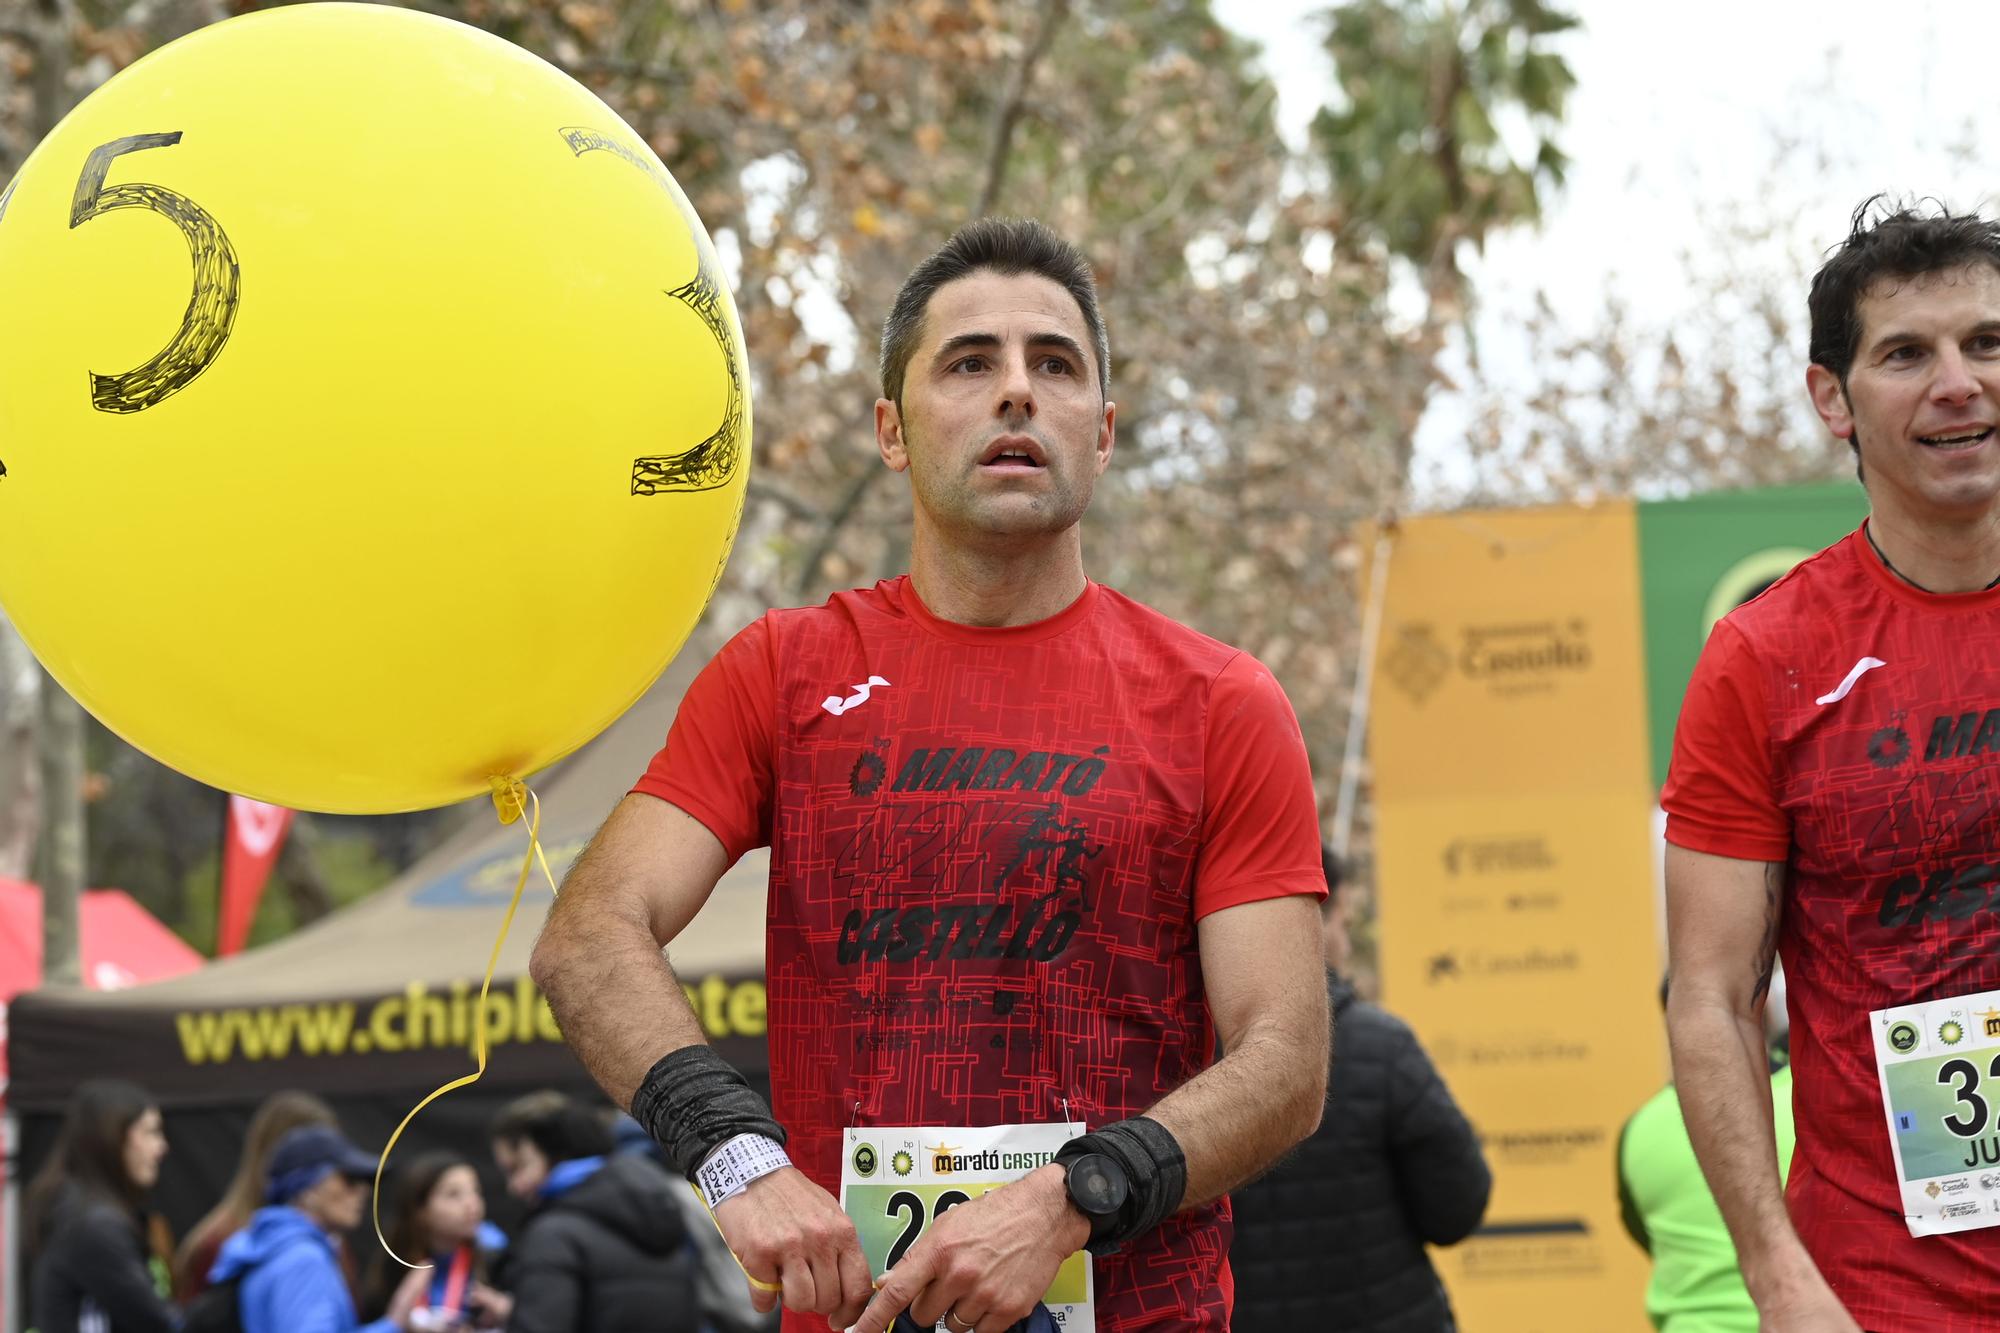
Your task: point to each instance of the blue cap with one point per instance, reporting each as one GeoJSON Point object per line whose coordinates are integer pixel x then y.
{"type": "Point", "coordinates": [308, 1155]}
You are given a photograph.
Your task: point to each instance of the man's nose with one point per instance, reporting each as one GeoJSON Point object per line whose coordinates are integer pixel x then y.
{"type": "Point", "coordinates": [1017, 393]}
{"type": "Point", "coordinates": [1955, 382]}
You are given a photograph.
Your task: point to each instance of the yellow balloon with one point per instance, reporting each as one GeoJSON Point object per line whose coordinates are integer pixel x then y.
{"type": "Point", "coordinates": [373, 412]}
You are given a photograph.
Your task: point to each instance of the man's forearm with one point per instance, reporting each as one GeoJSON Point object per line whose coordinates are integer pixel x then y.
{"type": "Point", "coordinates": [1723, 1080]}
{"type": "Point", "coordinates": [1248, 1109]}
{"type": "Point", "coordinates": [618, 1002]}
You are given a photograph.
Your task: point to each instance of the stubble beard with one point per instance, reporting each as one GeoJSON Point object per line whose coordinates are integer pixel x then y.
{"type": "Point", "coordinates": [1923, 501]}
{"type": "Point", "coordinates": [957, 505]}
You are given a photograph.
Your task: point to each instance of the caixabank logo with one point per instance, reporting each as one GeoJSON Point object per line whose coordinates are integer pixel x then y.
{"type": "Point", "coordinates": [1452, 965]}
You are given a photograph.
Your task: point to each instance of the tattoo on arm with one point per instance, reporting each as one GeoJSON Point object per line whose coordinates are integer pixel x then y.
{"type": "Point", "coordinates": [1767, 948]}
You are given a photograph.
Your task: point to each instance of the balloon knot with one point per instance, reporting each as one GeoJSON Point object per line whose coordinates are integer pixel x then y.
{"type": "Point", "coordinates": [510, 798]}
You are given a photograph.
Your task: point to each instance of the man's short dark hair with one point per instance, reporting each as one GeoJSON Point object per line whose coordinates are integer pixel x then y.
{"type": "Point", "coordinates": [1893, 243]}
{"type": "Point", "coordinates": [562, 1128]}
{"type": "Point", "coordinates": [1001, 245]}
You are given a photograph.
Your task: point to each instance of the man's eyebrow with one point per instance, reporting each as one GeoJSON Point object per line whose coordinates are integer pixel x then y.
{"type": "Point", "coordinates": [960, 342]}
{"type": "Point", "coordinates": [1062, 340]}
{"type": "Point", "coordinates": [1894, 338]}
{"type": "Point", "coordinates": [1898, 337]}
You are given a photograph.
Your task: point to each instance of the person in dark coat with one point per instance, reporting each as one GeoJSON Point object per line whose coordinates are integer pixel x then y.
{"type": "Point", "coordinates": [720, 1291]}
{"type": "Point", "coordinates": [85, 1230]}
{"type": "Point", "coordinates": [1334, 1236]}
{"type": "Point", "coordinates": [605, 1249]}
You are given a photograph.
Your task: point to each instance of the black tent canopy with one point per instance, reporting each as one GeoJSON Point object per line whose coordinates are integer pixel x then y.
{"type": "Point", "coordinates": [374, 1006]}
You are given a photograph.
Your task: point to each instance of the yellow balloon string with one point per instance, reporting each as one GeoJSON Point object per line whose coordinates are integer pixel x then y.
{"type": "Point", "coordinates": [511, 799]}
{"type": "Point", "coordinates": [759, 1285]}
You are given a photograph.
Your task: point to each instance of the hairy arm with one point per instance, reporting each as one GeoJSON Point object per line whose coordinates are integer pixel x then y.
{"type": "Point", "coordinates": [599, 959]}
{"type": "Point", "coordinates": [1266, 987]}
{"type": "Point", "coordinates": [1722, 925]}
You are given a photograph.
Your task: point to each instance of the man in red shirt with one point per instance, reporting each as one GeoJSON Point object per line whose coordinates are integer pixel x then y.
{"type": "Point", "coordinates": [1035, 848]}
{"type": "Point", "coordinates": [1835, 798]}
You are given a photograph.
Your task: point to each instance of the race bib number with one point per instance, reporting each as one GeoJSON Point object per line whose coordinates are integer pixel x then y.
{"type": "Point", "coordinates": [895, 1183]}
{"type": "Point", "coordinates": [1940, 1069]}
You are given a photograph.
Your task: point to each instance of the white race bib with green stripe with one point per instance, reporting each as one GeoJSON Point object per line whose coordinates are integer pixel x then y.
{"type": "Point", "coordinates": [896, 1182]}
{"type": "Point", "coordinates": [1940, 1069]}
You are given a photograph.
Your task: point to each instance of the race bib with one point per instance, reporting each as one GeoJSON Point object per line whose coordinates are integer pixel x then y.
{"type": "Point", "coordinates": [896, 1182]}
{"type": "Point", "coordinates": [1940, 1069]}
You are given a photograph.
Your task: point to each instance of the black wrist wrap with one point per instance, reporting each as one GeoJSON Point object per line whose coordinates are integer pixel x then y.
{"type": "Point", "coordinates": [693, 1101]}
{"type": "Point", "coordinates": [1155, 1169]}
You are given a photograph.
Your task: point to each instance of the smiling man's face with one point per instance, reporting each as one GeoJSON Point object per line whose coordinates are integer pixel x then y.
{"type": "Point", "coordinates": [1002, 427]}
{"type": "Point", "coordinates": [1922, 399]}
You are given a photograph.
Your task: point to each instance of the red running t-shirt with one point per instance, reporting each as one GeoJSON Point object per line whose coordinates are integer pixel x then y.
{"type": "Point", "coordinates": [989, 850]}
{"type": "Point", "coordinates": [1849, 725]}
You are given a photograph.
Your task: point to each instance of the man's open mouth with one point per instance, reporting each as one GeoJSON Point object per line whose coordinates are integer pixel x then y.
{"type": "Point", "coordinates": [1016, 452]}
{"type": "Point", "coordinates": [1960, 440]}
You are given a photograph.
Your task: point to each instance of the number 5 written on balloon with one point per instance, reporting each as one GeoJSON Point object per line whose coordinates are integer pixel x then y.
{"type": "Point", "coordinates": [211, 309]}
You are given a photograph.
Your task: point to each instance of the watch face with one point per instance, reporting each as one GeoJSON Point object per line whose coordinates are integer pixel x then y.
{"type": "Point", "coordinates": [1097, 1189]}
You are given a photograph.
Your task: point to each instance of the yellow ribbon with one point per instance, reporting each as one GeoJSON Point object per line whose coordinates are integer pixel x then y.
{"type": "Point", "coordinates": [511, 800]}
{"type": "Point", "coordinates": [759, 1285]}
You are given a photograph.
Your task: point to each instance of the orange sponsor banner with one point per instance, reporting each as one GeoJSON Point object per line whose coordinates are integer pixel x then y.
{"type": "Point", "coordinates": [1508, 740]}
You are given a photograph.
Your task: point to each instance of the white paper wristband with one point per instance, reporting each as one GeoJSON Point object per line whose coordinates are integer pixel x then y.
{"type": "Point", "coordinates": [728, 1171]}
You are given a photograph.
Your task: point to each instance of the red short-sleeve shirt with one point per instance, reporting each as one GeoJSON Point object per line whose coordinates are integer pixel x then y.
{"type": "Point", "coordinates": [1848, 725]}
{"type": "Point", "coordinates": [990, 850]}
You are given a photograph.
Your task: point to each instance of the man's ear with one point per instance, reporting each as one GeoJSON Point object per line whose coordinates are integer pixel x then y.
{"type": "Point", "coordinates": [1829, 399]}
{"type": "Point", "coordinates": [1107, 436]}
{"type": "Point", "coordinates": [889, 435]}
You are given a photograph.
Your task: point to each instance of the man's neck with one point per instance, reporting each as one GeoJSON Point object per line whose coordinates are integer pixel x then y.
{"type": "Point", "coordinates": [1940, 557]}
{"type": "Point", "coordinates": [996, 586]}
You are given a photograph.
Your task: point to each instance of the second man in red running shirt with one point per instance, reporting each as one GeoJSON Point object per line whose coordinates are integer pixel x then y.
{"type": "Point", "coordinates": [1835, 799]}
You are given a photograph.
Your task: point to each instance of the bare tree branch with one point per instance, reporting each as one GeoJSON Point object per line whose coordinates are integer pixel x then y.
{"type": "Point", "coordinates": [1009, 114]}
{"type": "Point", "coordinates": [762, 488]}
{"type": "Point", "coordinates": [836, 521]}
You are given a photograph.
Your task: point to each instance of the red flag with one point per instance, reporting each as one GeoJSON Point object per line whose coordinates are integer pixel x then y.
{"type": "Point", "coordinates": [253, 835]}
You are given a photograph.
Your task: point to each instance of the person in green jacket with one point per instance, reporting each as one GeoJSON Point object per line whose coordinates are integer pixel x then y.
{"type": "Point", "coordinates": [1696, 1285]}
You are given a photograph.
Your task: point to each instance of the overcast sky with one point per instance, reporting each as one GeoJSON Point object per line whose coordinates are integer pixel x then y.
{"type": "Point", "coordinates": [1681, 116]}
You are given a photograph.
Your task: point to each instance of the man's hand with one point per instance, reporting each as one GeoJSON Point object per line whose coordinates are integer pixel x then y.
{"type": "Point", "coordinates": [985, 1263]}
{"type": "Point", "coordinates": [789, 1234]}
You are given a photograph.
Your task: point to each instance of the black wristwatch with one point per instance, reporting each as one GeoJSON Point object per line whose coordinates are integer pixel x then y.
{"type": "Point", "coordinates": [1099, 1189]}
